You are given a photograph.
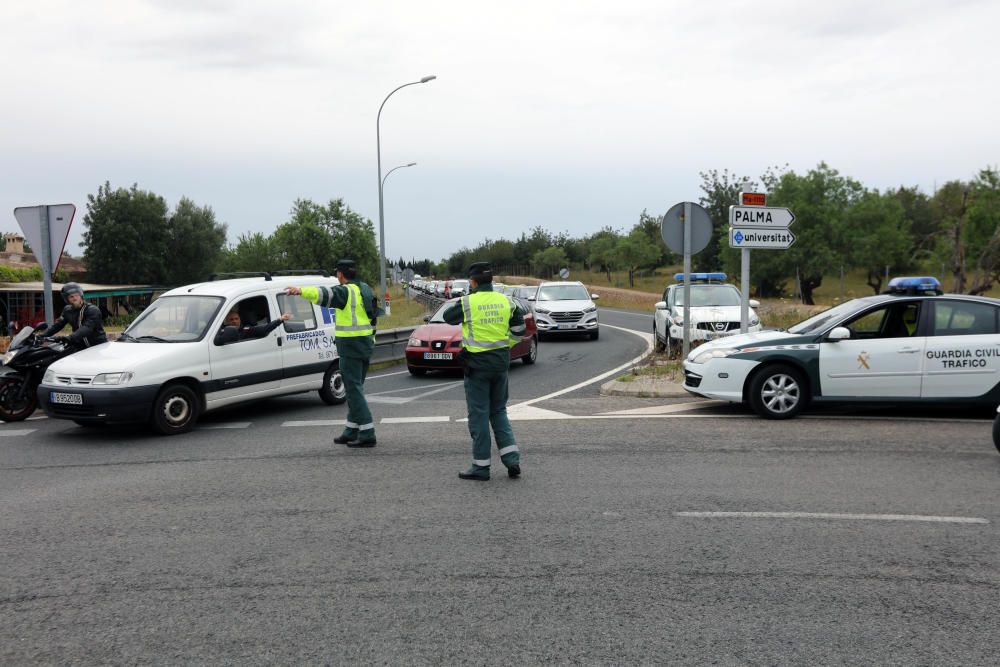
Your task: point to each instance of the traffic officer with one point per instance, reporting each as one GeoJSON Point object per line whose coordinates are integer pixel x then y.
{"type": "Point", "coordinates": [356, 316]}
{"type": "Point", "coordinates": [491, 324]}
{"type": "Point", "coordinates": [84, 318]}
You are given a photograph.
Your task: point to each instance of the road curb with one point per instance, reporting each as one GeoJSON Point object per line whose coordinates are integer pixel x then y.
{"type": "Point", "coordinates": [644, 388]}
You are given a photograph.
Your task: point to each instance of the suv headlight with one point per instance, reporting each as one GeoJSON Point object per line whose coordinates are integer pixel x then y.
{"type": "Point", "coordinates": [678, 320]}
{"type": "Point", "coordinates": [111, 378]}
{"type": "Point", "coordinates": [414, 342]}
{"type": "Point", "coordinates": [49, 377]}
{"type": "Point", "coordinates": [754, 320]}
{"type": "Point", "coordinates": [543, 311]}
{"type": "Point", "coordinates": [592, 309]}
{"type": "Point", "coordinates": [712, 354]}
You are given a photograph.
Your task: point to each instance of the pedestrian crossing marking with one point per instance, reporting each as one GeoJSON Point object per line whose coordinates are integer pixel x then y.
{"type": "Point", "coordinates": [16, 432]}
{"type": "Point", "coordinates": [226, 425]}
{"type": "Point", "coordinates": [414, 420]}
{"type": "Point", "coordinates": [316, 422]}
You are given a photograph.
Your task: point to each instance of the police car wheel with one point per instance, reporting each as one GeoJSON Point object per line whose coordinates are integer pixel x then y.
{"type": "Point", "coordinates": [529, 358]}
{"type": "Point", "coordinates": [333, 392]}
{"type": "Point", "coordinates": [175, 410]}
{"type": "Point", "coordinates": [778, 392]}
{"type": "Point", "coordinates": [996, 432]}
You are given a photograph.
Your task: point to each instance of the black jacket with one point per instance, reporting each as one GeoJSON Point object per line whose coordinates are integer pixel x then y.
{"type": "Point", "coordinates": [246, 332]}
{"type": "Point", "coordinates": [87, 325]}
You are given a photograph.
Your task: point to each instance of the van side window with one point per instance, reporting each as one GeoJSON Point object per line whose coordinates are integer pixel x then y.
{"type": "Point", "coordinates": [248, 317]}
{"type": "Point", "coordinates": [303, 317]}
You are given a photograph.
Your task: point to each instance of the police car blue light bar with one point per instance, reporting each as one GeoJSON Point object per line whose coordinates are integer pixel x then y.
{"type": "Point", "coordinates": [911, 284]}
{"type": "Point", "coordinates": [700, 277]}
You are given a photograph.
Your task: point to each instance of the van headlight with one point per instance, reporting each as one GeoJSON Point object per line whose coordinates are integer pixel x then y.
{"type": "Point", "coordinates": [111, 378]}
{"type": "Point", "coordinates": [712, 354]}
{"type": "Point", "coordinates": [49, 377]}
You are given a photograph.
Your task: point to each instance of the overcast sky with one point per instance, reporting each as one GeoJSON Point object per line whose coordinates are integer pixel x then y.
{"type": "Point", "coordinates": [571, 115]}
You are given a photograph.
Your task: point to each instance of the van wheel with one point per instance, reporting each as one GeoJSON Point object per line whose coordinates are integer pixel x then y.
{"type": "Point", "coordinates": [334, 392]}
{"type": "Point", "coordinates": [175, 410]}
{"type": "Point", "coordinates": [778, 392]}
{"type": "Point", "coordinates": [532, 355]}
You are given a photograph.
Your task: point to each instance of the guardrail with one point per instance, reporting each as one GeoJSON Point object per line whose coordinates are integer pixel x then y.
{"type": "Point", "coordinates": [390, 344]}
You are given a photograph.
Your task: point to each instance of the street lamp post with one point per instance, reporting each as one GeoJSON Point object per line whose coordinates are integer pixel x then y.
{"type": "Point", "coordinates": [402, 166]}
{"type": "Point", "coordinates": [381, 215]}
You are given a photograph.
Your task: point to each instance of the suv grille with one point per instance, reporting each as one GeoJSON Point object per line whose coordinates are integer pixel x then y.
{"type": "Point", "coordinates": [718, 326]}
{"type": "Point", "coordinates": [572, 316]}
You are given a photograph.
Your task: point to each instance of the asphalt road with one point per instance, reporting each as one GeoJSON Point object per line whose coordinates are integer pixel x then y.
{"type": "Point", "coordinates": [642, 531]}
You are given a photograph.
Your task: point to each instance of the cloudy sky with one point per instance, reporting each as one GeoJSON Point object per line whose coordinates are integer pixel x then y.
{"type": "Point", "coordinates": [572, 114]}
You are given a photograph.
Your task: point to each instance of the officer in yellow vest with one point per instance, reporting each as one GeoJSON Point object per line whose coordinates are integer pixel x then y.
{"type": "Point", "coordinates": [356, 316]}
{"type": "Point", "coordinates": [491, 324]}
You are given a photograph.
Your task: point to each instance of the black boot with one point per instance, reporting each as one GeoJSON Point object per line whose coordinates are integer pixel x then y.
{"type": "Point", "coordinates": [476, 473]}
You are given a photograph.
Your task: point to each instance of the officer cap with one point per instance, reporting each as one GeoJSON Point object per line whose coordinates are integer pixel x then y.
{"type": "Point", "coordinates": [481, 271]}
{"type": "Point", "coordinates": [346, 265]}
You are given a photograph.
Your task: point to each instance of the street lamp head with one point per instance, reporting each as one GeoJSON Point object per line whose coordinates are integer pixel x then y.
{"type": "Point", "coordinates": [428, 78]}
{"type": "Point", "coordinates": [412, 164]}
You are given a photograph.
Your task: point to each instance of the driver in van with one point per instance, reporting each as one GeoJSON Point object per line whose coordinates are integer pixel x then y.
{"type": "Point", "coordinates": [233, 319]}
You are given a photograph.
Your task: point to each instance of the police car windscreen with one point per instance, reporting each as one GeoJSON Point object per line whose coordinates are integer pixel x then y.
{"type": "Point", "coordinates": [710, 295]}
{"type": "Point", "coordinates": [822, 320]}
{"type": "Point", "coordinates": [563, 293]}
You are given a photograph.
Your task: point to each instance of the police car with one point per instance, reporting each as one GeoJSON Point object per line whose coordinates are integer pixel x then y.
{"type": "Point", "coordinates": [714, 311]}
{"type": "Point", "coordinates": [911, 344]}
{"type": "Point", "coordinates": [177, 361]}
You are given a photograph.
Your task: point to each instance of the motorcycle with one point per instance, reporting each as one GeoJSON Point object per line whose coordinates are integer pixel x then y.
{"type": "Point", "coordinates": [24, 365]}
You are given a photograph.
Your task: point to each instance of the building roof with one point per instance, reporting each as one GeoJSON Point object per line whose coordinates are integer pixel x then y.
{"type": "Point", "coordinates": [90, 291]}
{"type": "Point", "coordinates": [27, 260]}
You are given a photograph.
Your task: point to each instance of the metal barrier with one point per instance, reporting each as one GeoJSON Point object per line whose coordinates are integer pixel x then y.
{"type": "Point", "coordinates": [390, 344]}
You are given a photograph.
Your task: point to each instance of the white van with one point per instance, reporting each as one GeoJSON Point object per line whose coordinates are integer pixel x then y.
{"type": "Point", "coordinates": [177, 361]}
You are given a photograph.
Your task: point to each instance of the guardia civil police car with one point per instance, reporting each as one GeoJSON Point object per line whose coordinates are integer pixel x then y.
{"type": "Point", "coordinates": [911, 344]}
{"type": "Point", "coordinates": [714, 311]}
{"type": "Point", "coordinates": [177, 361]}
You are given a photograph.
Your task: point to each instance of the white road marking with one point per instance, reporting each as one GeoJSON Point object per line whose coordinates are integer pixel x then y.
{"type": "Point", "coordinates": [648, 337]}
{"type": "Point", "coordinates": [524, 412]}
{"type": "Point", "coordinates": [418, 388]}
{"type": "Point", "coordinates": [316, 422]}
{"type": "Point", "coordinates": [385, 375]}
{"type": "Point", "coordinates": [225, 425]}
{"type": "Point", "coordinates": [400, 400]}
{"type": "Point", "coordinates": [832, 516]}
{"type": "Point", "coordinates": [414, 420]}
{"type": "Point", "coordinates": [667, 409]}
{"type": "Point", "coordinates": [36, 417]}
{"type": "Point", "coordinates": [17, 432]}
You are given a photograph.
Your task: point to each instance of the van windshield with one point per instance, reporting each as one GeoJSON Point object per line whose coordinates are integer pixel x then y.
{"type": "Point", "coordinates": [174, 319]}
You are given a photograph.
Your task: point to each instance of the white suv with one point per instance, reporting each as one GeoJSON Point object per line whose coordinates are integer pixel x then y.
{"type": "Point", "coordinates": [715, 311]}
{"type": "Point", "coordinates": [565, 308]}
{"type": "Point", "coordinates": [177, 361]}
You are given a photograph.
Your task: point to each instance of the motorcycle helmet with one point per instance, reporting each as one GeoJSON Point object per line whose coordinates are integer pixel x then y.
{"type": "Point", "coordinates": [70, 289]}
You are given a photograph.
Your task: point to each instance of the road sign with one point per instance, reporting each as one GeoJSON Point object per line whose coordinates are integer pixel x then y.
{"type": "Point", "coordinates": [564, 273]}
{"type": "Point", "coordinates": [672, 228]}
{"type": "Point", "coordinates": [774, 239]}
{"type": "Point", "coordinates": [763, 217]}
{"type": "Point", "coordinates": [407, 275]}
{"type": "Point", "coordinates": [60, 217]}
{"type": "Point", "coordinates": [753, 198]}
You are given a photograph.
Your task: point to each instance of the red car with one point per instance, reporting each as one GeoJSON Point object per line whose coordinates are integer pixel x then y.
{"type": "Point", "coordinates": [435, 345]}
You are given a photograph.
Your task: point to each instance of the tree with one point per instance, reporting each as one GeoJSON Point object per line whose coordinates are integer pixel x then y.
{"type": "Point", "coordinates": [550, 260]}
{"type": "Point", "coordinates": [635, 252]}
{"type": "Point", "coordinates": [127, 236]}
{"type": "Point", "coordinates": [879, 236]}
{"type": "Point", "coordinates": [602, 251]}
{"type": "Point", "coordinates": [352, 235]}
{"type": "Point", "coordinates": [253, 252]}
{"type": "Point", "coordinates": [979, 237]}
{"type": "Point", "coordinates": [196, 243]}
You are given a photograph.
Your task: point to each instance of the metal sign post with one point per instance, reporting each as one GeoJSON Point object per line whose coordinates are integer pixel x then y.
{"type": "Point", "coordinates": [45, 261]}
{"type": "Point", "coordinates": [686, 228]}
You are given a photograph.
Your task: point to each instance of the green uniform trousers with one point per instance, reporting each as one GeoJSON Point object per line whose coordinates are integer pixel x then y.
{"type": "Point", "coordinates": [359, 425]}
{"type": "Point", "coordinates": [486, 399]}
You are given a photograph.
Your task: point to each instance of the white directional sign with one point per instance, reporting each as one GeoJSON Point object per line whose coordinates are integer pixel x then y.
{"type": "Point", "coordinates": [766, 217]}
{"type": "Point", "coordinates": [60, 217]}
{"type": "Point", "coordinates": [775, 239]}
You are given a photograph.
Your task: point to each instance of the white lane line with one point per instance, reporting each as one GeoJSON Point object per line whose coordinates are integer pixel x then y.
{"type": "Point", "coordinates": [832, 516]}
{"type": "Point", "coordinates": [414, 420]}
{"type": "Point", "coordinates": [37, 417]}
{"type": "Point", "coordinates": [385, 375]}
{"type": "Point", "coordinates": [418, 388]}
{"type": "Point", "coordinates": [316, 422]}
{"type": "Point", "coordinates": [16, 432]}
{"type": "Point", "coordinates": [648, 337]}
{"type": "Point", "coordinates": [400, 400]}
{"type": "Point", "coordinates": [668, 409]}
{"type": "Point", "coordinates": [225, 425]}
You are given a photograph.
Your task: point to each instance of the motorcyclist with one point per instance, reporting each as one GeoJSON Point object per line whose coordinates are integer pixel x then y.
{"type": "Point", "coordinates": [84, 318]}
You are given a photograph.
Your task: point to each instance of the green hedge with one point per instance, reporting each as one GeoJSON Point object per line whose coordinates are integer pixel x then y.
{"type": "Point", "coordinates": [9, 274]}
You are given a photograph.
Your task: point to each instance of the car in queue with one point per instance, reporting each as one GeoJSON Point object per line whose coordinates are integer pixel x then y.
{"type": "Point", "coordinates": [457, 288]}
{"type": "Point", "coordinates": [714, 312]}
{"type": "Point", "coordinates": [177, 360]}
{"type": "Point", "coordinates": [910, 345]}
{"type": "Point", "coordinates": [436, 344]}
{"type": "Point", "coordinates": [565, 308]}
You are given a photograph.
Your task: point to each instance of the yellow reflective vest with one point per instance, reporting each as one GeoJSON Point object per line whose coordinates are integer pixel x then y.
{"type": "Point", "coordinates": [486, 322]}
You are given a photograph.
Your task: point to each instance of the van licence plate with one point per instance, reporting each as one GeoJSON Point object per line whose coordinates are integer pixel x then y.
{"type": "Point", "coordinates": [69, 399]}
{"type": "Point", "coordinates": [437, 355]}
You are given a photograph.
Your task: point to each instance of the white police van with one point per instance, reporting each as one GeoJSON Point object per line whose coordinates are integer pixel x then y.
{"type": "Point", "coordinates": [177, 360]}
{"type": "Point", "coordinates": [714, 311]}
{"type": "Point", "coordinates": [913, 344]}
